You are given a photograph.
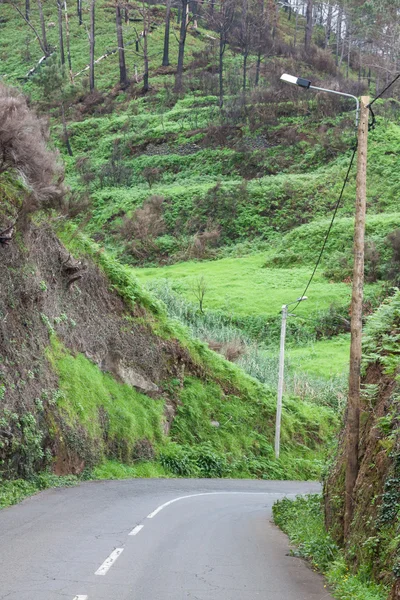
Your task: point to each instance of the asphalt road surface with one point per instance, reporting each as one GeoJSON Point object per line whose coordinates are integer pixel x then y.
{"type": "Point", "coordinates": [153, 540]}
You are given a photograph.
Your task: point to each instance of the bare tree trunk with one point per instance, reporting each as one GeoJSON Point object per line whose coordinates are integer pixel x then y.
{"type": "Point", "coordinates": [165, 60]}
{"type": "Point", "coordinates": [123, 80]}
{"type": "Point", "coordinates": [43, 26]}
{"type": "Point", "coordinates": [181, 51]}
{"type": "Point", "coordinates": [261, 34]}
{"type": "Point", "coordinates": [348, 55]}
{"type": "Point", "coordinates": [67, 40]}
{"type": "Point", "coordinates": [258, 68]}
{"type": "Point", "coordinates": [338, 33]}
{"type": "Point", "coordinates": [27, 9]}
{"type": "Point", "coordinates": [79, 10]}
{"type": "Point", "coordinates": [328, 29]}
{"type": "Point", "coordinates": [60, 32]}
{"type": "Point", "coordinates": [245, 57]}
{"type": "Point", "coordinates": [221, 68]}
{"type": "Point", "coordinates": [92, 44]}
{"type": "Point", "coordinates": [296, 27]}
{"type": "Point", "coordinates": [146, 27]}
{"type": "Point", "coordinates": [65, 130]}
{"type": "Point", "coordinates": [41, 43]}
{"type": "Point", "coordinates": [309, 24]}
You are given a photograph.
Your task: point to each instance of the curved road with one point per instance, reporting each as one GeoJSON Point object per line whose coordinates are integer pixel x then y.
{"type": "Point", "coordinates": [153, 540]}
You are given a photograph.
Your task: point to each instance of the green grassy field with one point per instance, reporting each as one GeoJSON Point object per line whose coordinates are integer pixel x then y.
{"type": "Point", "coordinates": [243, 286]}
{"type": "Point", "coordinates": [324, 358]}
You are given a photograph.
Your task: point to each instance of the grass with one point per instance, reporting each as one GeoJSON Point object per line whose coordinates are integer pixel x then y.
{"type": "Point", "coordinates": [112, 469]}
{"type": "Point", "coordinates": [13, 492]}
{"type": "Point", "coordinates": [324, 358]}
{"type": "Point", "coordinates": [302, 519]}
{"type": "Point", "coordinates": [315, 371]}
{"type": "Point", "coordinates": [113, 415]}
{"type": "Point", "coordinates": [243, 286]}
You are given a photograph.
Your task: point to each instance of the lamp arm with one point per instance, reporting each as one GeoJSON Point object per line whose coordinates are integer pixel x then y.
{"type": "Point", "coordinates": [313, 87]}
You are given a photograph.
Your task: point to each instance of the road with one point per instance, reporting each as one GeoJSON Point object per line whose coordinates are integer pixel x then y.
{"type": "Point", "coordinates": [153, 540]}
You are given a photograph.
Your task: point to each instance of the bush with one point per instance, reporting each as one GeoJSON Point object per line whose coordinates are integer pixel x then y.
{"type": "Point", "coordinates": [302, 519]}
{"type": "Point", "coordinates": [24, 151]}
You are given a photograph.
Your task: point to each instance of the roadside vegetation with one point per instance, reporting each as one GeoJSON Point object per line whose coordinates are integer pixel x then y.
{"type": "Point", "coordinates": [303, 521]}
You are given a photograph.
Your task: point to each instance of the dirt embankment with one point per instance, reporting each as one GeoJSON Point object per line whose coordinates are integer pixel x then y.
{"type": "Point", "coordinates": [46, 294]}
{"type": "Point", "coordinates": [373, 544]}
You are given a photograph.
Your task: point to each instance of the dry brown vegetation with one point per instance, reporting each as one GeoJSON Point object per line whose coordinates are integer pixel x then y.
{"type": "Point", "coordinates": [25, 152]}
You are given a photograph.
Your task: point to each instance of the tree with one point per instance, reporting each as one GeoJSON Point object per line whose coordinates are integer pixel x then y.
{"type": "Point", "coordinates": [79, 10]}
{"type": "Point", "coordinates": [142, 48]}
{"type": "Point", "coordinates": [199, 289]}
{"type": "Point", "coordinates": [51, 79]}
{"type": "Point", "coordinates": [92, 42]}
{"type": "Point", "coordinates": [181, 41]}
{"type": "Point", "coordinates": [67, 40]}
{"type": "Point", "coordinates": [60, 32]}
{"type": "Point", "coordinates": [222, 22]}
{"type": "Point", "coordinates": [165, 60]}
{"type": "Point", "coordinates": [309, 24]}
{"type": "Point", "coordinates": [42, 43]}
{"type": "Point", "coordinates": [43, 27]}
{"type": "Point", "coordinates": [123, 79]}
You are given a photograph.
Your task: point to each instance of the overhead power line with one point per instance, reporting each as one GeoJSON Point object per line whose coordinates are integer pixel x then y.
{"type": "Point", "coordinates": [337, 206]}
{"type": "Point", "coordinates": [372, 124]}
{"type": "Point", "coordinates": [385, 90]}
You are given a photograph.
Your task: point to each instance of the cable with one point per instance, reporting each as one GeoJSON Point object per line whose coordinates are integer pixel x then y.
{"type": "Point", "coordinates": [370, 126]}
{"type": "Point", "coordinates": [385, 90]}
{"type": "Point", "coordinates": [338, 203]}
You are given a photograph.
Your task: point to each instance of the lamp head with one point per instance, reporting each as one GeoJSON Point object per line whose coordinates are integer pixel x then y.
{"type": "Point", "coordinates": [305, 83]}
{"type": "Point", "coordinates": [302, 298]}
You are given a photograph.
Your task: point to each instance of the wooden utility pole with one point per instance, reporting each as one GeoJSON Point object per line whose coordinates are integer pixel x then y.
{"type": "Point", "coordinates": [353, 406]}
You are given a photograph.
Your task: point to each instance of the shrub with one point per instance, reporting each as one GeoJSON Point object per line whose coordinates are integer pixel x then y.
{"type": "Point", "coordinates": [23, 150]}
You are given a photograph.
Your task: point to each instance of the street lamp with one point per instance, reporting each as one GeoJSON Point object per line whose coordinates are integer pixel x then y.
{"type": "Point", "coordinates": [306, 83]}
{"type": "Point", "coordinates": [281, 372]}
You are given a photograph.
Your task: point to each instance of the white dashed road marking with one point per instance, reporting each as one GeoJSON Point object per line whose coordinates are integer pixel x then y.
{"type": "Point", "coordinates": [109, 561]}
{"type": "Point", "coordinates": [81, 597]}
{"type": "Point", "coordinates": [136, 529]}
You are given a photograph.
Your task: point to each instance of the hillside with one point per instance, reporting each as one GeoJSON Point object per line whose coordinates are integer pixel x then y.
{"type": "Point", "coordinates": [92, 370]}
{"type": "Point", "coordinates": [179, 183]}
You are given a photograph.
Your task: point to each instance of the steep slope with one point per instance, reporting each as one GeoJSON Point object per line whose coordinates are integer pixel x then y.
{"type": "Point", "coordinates": [91, 368]}
{"type": "Point", "coordinates": [373, 543]}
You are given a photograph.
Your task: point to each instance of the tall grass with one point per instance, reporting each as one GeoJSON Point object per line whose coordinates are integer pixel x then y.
{"type": "Point", "coordinates": [255, 358]}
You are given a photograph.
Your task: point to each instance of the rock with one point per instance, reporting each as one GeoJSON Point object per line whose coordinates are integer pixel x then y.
{"type": "Point", "coordinates": [136, 380]}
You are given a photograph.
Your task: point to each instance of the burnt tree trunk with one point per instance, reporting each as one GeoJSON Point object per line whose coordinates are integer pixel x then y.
{"type": "Point", "coordinates": [222, 44]}
{"type": "Point", "coordinates": [181, 51]}
{"type": "Point", "coordinates": [43, 27]}
{"type": "Point", "coordinates": [60, 32]}
{"type": "Point", "coordinates": [67, 41]}
{"type": "Point", "coordinates": [65, 130]}
{"type": "Point", "coordinates": [92, 44]}
{"type": "Point", "coordinates": [145, 63]}
{"type": "Point", "coordinates": [123, 80]}
{"type": "Point", "coordinates": [309, 24]}
{"type": "Point", "coordinates": [79, 10]}
{"type": "Point", "coordinates": [165, 60]}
